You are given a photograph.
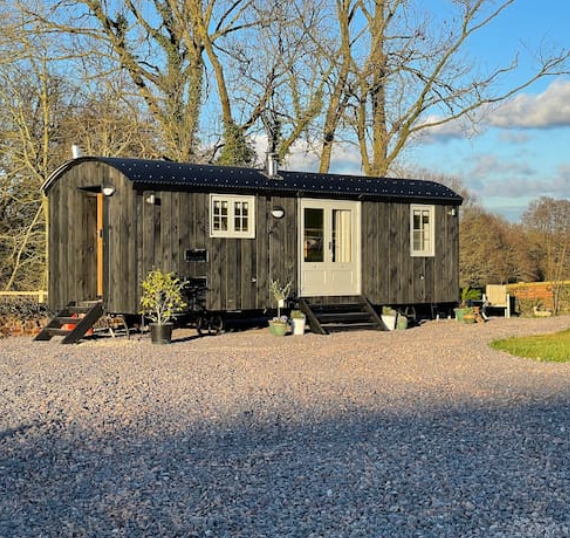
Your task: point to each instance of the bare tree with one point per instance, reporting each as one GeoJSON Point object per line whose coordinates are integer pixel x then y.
{"type": "Point", "coordinates": [169, 49]}
{"type": "Point", "coordinates": [453, 182]}
{"type": "Point", "coordinates": [341, 65]}
{"type": "Point", "coordinates": [410, 73]}
{"type": "Point", "coordinates": [151, 42]}
{"type": "Point", "coordinates": [42, 112]}
{"type": "Point", "coordinates": [547, 222]}
{"type": "Point", "coordinates": [521, 257]}
{"type": "Point", "coordinates": [373, 72]}
{"type": "Point", "coordinates": [486, 254]}
{"type": "Point", "coordinates": [280, 74]}
{"type": "Point", "coordinates": [29, 99]}
{"type": "Point", "coordinates": [106, 119]}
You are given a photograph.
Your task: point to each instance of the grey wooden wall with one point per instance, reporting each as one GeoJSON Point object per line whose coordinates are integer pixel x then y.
{"type": "Point", "coordinates": [238, 271]}
{"type": "Point", "coordinates": [139, 236]}
{"type": "Point", "coordinates": [390, 275]}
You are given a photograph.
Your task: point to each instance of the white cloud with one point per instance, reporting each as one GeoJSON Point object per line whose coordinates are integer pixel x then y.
{"type": "Point", "coordinates": [514, 137]}
{"type": "Point", "coordinates": [564, 170]}
{"type": "Point", "coordinates": [346, 160]}
{"type": "Point", "coordinates": [548, 109]}
{"type": "Point", "coordinates": [305, 157]}
{"type": "Point", "coordinates": [494, 179]}
{"type": "Point", "coordinates": [446, 132]}
{"type": "Point", "coordinates": [302, 158]}
{"type": "Point", "coordinates": [491, 165]}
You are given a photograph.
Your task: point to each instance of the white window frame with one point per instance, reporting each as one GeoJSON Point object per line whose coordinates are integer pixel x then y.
{"type": "Point", "coordinates": [429, 242]}
{"type": "Point", "coordinates": [231, 200]}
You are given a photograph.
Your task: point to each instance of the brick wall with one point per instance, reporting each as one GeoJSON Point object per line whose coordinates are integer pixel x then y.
{"type": "Point", "coordinates": [540, 294]}
{"type": "Point", "coordinates": [21, 316]}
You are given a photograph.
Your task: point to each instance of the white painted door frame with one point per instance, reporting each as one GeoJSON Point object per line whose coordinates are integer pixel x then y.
{"type": "Point", "coordinates": [329, 247]}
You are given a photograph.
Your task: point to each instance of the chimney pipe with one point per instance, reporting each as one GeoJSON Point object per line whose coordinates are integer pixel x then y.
{"type": "Point", "coordinates": [75, 151]}
{"type": "Point", "coordinates": [272, 165]}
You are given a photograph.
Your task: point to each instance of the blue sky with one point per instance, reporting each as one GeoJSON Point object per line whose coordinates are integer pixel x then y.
{"type": "Point", "coordinates": [520, 151]}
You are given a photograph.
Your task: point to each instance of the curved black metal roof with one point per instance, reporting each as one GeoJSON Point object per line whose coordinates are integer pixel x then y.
{"type": "Point", "coordinates": [162, 174]}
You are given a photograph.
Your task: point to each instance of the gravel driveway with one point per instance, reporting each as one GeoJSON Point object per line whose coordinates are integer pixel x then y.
{"type": "Point", "coordinates": [418, 433]}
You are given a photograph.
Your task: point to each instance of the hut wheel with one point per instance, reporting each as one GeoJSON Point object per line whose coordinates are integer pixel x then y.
{"type": "Point", "coordinates": [210, 325]}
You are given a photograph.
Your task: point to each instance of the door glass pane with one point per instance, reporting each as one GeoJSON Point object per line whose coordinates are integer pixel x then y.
{"type": "Point", "coordinates": [341, 236]}
{"type": "Point", "coordinates": [313, 239]}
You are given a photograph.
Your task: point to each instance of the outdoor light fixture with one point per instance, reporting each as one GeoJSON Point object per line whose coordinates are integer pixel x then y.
{"type": "Point", "coordinates": [108, 190]}
{"type": "Point", "coordinates": [451, 212]}
{"type": "Point", "coordinates": [150, 199]}
{"type": "Point", "coordinates": [278, 212]}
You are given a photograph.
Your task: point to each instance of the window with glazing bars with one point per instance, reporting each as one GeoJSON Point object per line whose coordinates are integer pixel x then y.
{"type": "Point", "coordinates": [232, 216]}
{"type": "Point", "coordinates": [422, 230]}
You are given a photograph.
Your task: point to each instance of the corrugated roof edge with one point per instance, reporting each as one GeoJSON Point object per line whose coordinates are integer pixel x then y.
{"type": "Point", "coordinates": [162, 173]}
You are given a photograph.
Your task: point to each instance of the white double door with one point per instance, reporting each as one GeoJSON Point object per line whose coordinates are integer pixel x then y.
{"type": "Point", "coordinates": [330, 248]}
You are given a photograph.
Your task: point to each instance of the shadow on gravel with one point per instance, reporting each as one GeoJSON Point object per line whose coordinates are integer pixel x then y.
{"type": "Point", "coordinates": [438, 473]}
{"type": "Point", "coordinates": [20, 430]}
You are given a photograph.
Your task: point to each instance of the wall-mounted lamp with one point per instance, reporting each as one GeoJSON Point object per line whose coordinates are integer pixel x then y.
{"type": "Point", "coordinates": [278, 212]}
{"type": "Point", "coordinates": [451, 212]}
{"type": "Point", "coordinates": [150, 199]}
{"type": "Point", "coordinates": [108, 190]}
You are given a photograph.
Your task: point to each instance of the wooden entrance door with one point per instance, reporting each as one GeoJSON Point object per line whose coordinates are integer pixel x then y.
{"type": "Point", "coordinates": [99, 245]}
{"type": "Point", "coordinates": [330, 248]}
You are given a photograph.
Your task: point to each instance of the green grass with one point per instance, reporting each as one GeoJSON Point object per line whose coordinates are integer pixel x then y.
{"type": "Point", "coordinates": [548, 347]}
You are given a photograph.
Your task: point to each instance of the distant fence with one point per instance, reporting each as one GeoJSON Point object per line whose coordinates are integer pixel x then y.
{"type": "Point", "coordinates": [41, 295]}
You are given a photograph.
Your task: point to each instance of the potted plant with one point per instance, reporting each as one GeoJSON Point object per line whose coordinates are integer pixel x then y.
{"type": "Point", "coordinates": [298, 321]}
{"type": "Point", "coordinates": [161, 299]}
{"type": "Point", "coordinates": [468, 294]}
{"type": "Point", "coordinates": [389, 316]}
{"type": "Point", "coordinates": [278, 325]}
{"type": "Point", "coordinates": [402, 322]}
{"type": "Point", "coordinates": [469, 315]}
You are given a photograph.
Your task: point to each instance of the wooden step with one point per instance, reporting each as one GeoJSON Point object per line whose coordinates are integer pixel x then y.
{"type": "Point", "coordinates": [342, 316]}
{"type": "Point", "coordinates": [58, 332]}
{"type": "Point", "coordinates": [86, 315]}
{"type": "Point", "coordinates": [336, 307]}
{"type": "Point", "coordinates": [68, 320]}
{"type": "Point", "coordinates": [338, 327]}
{"type": "Point", "coordinates": [346, 317]}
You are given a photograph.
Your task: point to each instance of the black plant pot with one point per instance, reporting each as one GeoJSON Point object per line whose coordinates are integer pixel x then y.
{"type": "Point", "coordinates": [161, 333]}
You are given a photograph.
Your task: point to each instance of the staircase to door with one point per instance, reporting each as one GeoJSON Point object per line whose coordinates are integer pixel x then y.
{"type": "Point", "coordinates": [72, 322]}
{"type": "Point", "coordinates": [353, 315]}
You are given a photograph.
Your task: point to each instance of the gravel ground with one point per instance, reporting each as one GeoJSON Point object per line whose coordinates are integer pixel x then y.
{"type": "Point", "coordinates": [418, 433]}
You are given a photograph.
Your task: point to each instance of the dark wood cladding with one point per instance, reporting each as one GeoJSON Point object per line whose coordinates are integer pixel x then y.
{"type": "Point", "coordinates": [139, 236]}
{"type": "Point", "coordinates": [390, 275]}
{"type": "Point", "coordinates": [238, 272]}
{"type": "Point", "coordinates": [73, 239]}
